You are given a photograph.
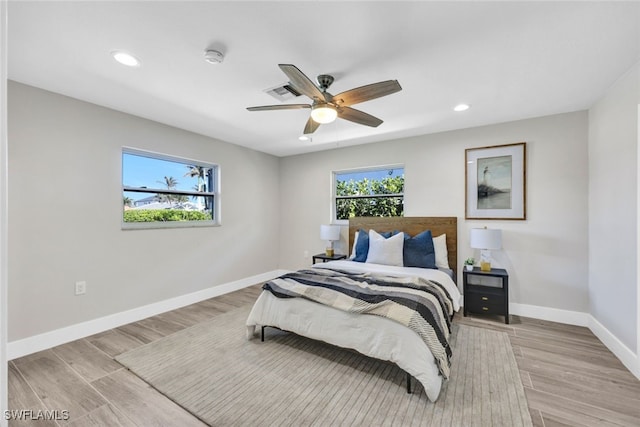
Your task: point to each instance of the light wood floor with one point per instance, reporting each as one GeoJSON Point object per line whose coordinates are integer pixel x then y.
{"type": "Point", "coordinates": [570, 378]}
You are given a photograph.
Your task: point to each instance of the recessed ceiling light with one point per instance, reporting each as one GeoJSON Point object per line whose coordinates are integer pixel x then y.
{"type": "Point", "coordinates": [125, 58]}
{"type": "Point", "coordinates": [461, 107]}
{"type": "Point", "coordinates": [304, 138]}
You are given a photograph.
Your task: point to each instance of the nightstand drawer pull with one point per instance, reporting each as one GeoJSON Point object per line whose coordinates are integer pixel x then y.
{"type": "Point", "coordinates": [485, 308]}
{"type": "Point", "coordinates": [485, 298]}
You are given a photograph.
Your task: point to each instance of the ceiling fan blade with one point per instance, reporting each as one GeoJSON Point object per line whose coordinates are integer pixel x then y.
{"type": "Point", "coordinates": [366, 93]}
{"type": "Point", "coordinates": [311, 126]}
{"type": "Point", "coordinates": [301, 82]}
{"type": "Point", "coordinates": [279, 107]}
{"type": "Point", "coordinates": [358, 116]}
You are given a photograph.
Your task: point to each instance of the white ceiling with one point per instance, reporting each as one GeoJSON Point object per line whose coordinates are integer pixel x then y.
{"type": "Point", "coordinates": [509, 60]}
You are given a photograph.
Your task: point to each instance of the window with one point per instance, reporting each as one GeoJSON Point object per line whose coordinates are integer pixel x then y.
{"type": "Point", "coordinates": [368, 192]}
{"type": "Point", "coordinates": [160, 191]}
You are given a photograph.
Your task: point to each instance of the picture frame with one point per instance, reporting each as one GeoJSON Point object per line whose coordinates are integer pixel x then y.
{"type": "Point", "coordinates": [496, 182]}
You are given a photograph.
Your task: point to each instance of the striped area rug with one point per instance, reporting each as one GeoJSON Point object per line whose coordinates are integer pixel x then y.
{"type": "Point", "coordinates": [213, 372]}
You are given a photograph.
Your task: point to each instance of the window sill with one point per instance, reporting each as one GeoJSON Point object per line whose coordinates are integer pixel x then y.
{"type": "Point", "coordinates": [168, 224]}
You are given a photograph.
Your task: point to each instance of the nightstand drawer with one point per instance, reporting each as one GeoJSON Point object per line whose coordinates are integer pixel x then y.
{"type": "Point", "coordinates": [484, 297]}
{"type": "Point", "coordinates": [476, 305]}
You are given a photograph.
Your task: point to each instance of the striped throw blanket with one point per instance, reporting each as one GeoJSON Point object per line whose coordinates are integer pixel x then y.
{"type": "Point", "coordinates": [422, 305]}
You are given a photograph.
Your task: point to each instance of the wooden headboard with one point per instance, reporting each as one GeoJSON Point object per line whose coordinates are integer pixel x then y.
{"type": "Point", "coordinates": [413, 225]}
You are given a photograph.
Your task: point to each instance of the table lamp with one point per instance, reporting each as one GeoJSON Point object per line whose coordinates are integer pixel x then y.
{"type": "Point", "coordinates": [330, 233]}
{"type": "Point", "coordinates": [485, 239]}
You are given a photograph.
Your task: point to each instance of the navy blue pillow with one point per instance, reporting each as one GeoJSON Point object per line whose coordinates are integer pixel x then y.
{"type": "Point", "coordinates": [362, 245]}
{"type": "Point", "coordinates": [419, 250]}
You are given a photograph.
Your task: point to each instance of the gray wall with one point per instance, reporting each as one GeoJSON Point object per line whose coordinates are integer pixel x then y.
{"type": "Point", "coordinates": [65, 215]}
{"type": "Point", "coordinates": [613, 211]}
{"type": "Point", "coordinates": [546, 255]}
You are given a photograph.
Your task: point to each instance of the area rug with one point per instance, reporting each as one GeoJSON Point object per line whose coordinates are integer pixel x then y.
{"type": "Point", "coordinates": [222, 378]}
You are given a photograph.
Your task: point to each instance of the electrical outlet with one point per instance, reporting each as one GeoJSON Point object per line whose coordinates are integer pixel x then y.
{"type": "Point", "coordinates": [81, 288]}
{"type": "Point", "coordinates": [306, 254]}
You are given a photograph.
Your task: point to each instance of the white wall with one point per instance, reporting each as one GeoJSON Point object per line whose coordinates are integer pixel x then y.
{"type": "Point", "coordinates": [613, 212]}
{"type": "Point", "coordinates": [546, 255]}
{"type": "Point", "coordinates": [65, 209]}
{"type": "Point", "coordinates": [3, 211]}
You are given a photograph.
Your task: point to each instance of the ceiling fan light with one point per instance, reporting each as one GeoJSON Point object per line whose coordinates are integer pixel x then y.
{"type": "Point", "coordinates": [324, 113]}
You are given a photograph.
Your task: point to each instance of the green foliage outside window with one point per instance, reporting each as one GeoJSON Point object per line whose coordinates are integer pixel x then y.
{"type": "Point", "coordinates": [154, 215]}
{"type": "Point", "coordinates": [376, 205]}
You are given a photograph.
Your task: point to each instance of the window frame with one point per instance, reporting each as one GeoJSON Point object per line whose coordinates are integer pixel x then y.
{"type": "Point", "coordinates": [215, 192]}
{"type": "Point", "coordinates": [335, 197]}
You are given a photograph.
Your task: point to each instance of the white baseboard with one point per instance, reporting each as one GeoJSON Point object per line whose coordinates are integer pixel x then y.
{"type": "Point", "coordinates": [64, 335]}
{"type": "Point", "coordinates": [617, 347]}
{"type": "Point", "coordinates": [551, 314]}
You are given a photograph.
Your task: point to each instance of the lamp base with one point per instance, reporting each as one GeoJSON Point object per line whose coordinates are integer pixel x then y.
{"type": "Point", "coordinates": [485, 260]}
{"type": "Point", "coordinates": [329, 251]}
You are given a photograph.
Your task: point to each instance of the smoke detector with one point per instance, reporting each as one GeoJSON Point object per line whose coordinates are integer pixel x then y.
{"type": "Point", "coordinates": [213, 56]}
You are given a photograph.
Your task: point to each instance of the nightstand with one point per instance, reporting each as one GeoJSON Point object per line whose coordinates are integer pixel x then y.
{"type": "Point", "coordinates": [486, 292]}
{"type": "Point", "coordinates": [326, 258]}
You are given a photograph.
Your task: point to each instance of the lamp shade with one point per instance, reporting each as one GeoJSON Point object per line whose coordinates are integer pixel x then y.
{"type": "Point", "coordinates": [329, 232]}
{"type": "Point", "coordinates": [486, 238]}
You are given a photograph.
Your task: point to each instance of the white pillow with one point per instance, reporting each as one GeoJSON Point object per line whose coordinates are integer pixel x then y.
{"type": "Point", "coordinates": [385, 251]}
{"type": "Point", "coordinates": [442, 255]}
{"type": "Point", "coordinates": [353, 249]}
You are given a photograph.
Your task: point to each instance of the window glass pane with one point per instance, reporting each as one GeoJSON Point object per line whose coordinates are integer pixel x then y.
{"type": "Point", "coordinates": [152, 207]}
{"type": "Point", "coordinates": [379, 181]}
{"type": "Point", "coordinates": [349, 208]}
{"type": "Point", "coordinates": [147, 172]}
{"type": "Point", "coordinates": [384, 185]}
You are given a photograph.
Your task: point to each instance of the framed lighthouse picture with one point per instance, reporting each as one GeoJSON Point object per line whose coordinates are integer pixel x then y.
{"type": "Point", "coordinates": [496, 182]}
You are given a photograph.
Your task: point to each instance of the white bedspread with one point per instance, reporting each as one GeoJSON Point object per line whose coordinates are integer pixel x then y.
{"type": "Point", "coordinates": [373, 336]}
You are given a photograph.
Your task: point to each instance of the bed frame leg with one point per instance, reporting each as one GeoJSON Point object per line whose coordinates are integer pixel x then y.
{"type": "Point", "coordinates": [262, 333]}
{"type": "Point", "coordinates": [408, 383]}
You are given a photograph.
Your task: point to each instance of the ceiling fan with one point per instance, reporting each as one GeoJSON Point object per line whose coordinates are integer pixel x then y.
{"type": "Point", "coordinates": [326, 107]}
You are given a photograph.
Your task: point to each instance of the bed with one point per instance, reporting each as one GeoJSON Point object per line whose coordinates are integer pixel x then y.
{"type": "Point", "coordinates": [371, 335]}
